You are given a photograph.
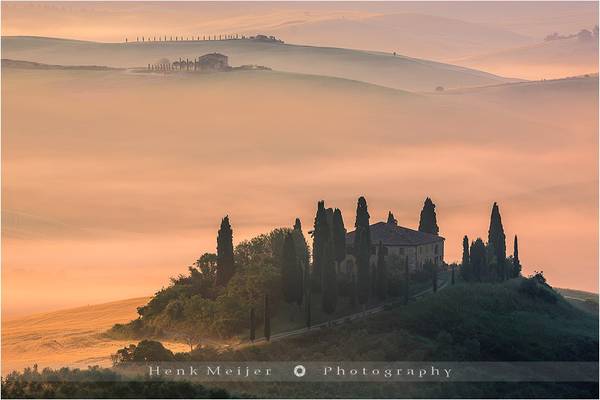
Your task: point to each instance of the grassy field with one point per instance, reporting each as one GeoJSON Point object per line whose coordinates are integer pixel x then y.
{"type": "Point", "coordinates": [72, 337]}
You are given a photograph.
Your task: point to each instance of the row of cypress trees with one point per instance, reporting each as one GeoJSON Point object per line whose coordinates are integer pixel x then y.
{"type": "Point", "coordinates": [299, 280]}
{"type": "Point", "coordinates": [487, 261]}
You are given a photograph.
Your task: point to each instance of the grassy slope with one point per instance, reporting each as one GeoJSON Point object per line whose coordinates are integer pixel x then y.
{"type": "Point", "coordinates": [70, 337]}
{"type": "Point", "coordinates": [585, 301]}
{"type": "Point", "coordinates": [379, 68]}
{"type": "Point", "coordinates": [482, 322]}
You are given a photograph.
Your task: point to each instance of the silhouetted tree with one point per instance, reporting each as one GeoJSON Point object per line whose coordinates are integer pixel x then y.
{"type": "Point", "coordinates": [225, 264]}
{"type": "Point", "coordinates": [497, 239]}
{"type": "Point", "coordinates": [320, 235]}
{"type": "Point", "coordinates": [302, 251]}
{"type": "Point", "coordinates": [381, 273]}
{"type": "Point", "coordinates": [516, 262]}
{"type": "Point", "coordinates": [465, 268]}
{"type": "Point", "coordinates": [267, 319]}
{"type": "Point", "coordinates": [478, 259]}
{"type": "Point", "coordinates": [428, 220]}
{"type": "Point", "coordinates": [252, 325]}
{"type": "Point", "coordinates": [391, 219]}
{"type": "Point", "coordinates": [291, 273]}
{"type": "Point", "coordinates": [339, 236]}
{"type": "Point", "coordinates": [362, 250]}
{"type": "Point", "coordinates": [307, 296]}
{"type": "Point", "coordinates": [452, 281]}
{"type": "Point", "coordinates": [329, 288]}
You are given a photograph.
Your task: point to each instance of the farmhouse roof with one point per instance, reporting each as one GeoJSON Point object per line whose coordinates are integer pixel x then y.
{"type": "Point", "coordinates": [394, 235]}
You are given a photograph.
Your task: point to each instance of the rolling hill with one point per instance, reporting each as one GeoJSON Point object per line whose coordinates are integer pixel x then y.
{"type": "Point", "coordinates": [547, 60]}
{"type": "Point", "coordinates": [399, 72]}
{"type": "Point", "coordinates": [72, 337]}
{"type": "Point", "coordinates": [420, 35]}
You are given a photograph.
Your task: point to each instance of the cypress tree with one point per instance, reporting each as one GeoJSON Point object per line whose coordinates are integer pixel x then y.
{"type": "Point", "coordinates": [320, 233]}
{"type": "Point", "coordinates": [516, 262]}
{"type": "Point", "coordinates": [307, 296]}
{"type": "Point", "coordinates": [452, 274]}
{"type": "Point", "coordinates": [302, 255]}
{"type": "Point", "coordinates": [329, 286]}
{"type": "Point", "coordinates": [267, 319]}
{"type": "Point", "coordinates": [252, 325]}
{"type": "Point", "coordinates": [478, 259]}
{"type": "Point", "coordinates": [428, 220]}
{"type": "Point", "coordinates": [406, 281]}
{"type": "Point", "coordinates": [225, 263]}
{"type": "Point", "coordinates": [297, 225]}
{"type": "Point", "coordinates": [465, 268]}
{"type": "Point", "coordinates": [291, 275]}
{"type": "Point", "coordinates": [339, 236]}
{"type": "Point", "coordinates": [381, 274]}
{"type": "Point", "coordinates": [497, 239]}
{"type": "Point", "coordinates": [391, 220]}
{"type": "Point", "coordinates": [362, 249]}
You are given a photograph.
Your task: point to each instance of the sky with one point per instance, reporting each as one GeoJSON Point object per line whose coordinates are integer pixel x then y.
{"type": "Point", "coordinates": [99, 208]}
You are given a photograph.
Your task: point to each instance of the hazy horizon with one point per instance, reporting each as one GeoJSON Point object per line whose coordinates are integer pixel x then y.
{"type": "Point", "coordinates": [496, 37]}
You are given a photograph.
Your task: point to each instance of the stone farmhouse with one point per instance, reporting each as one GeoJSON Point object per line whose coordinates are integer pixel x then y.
{"type": "Point", "coordinates": [404, 243]}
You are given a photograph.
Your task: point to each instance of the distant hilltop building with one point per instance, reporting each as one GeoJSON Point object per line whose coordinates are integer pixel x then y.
{"type": "Point", "coordinates": [213, 62]}
{"type": "Point", "coordinates": [416, 247]}
{"type": "Point", "coordinates": [265, 38]}
{"type": "Point", "coordinates": [207, 63]}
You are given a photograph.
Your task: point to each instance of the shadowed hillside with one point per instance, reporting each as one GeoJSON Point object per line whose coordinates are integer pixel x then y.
{"type": "Point", "coordinates": [466, 322]}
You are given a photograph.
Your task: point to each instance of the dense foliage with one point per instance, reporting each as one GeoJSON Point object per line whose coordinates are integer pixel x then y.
{"type": "Point", "coordinates": [488, 261]}
{"type": "Point", "coordinates": [95, 383]}
{"type": "Point", "coordinates": [193, 307]}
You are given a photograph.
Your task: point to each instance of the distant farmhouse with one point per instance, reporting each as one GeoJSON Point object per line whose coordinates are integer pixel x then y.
{"type": "Point", "coordinates": [213, 62]}
{"type": "Point", "coordinates": [407, 244]}
{"type": "Point", "coordinates": [207, 63]}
